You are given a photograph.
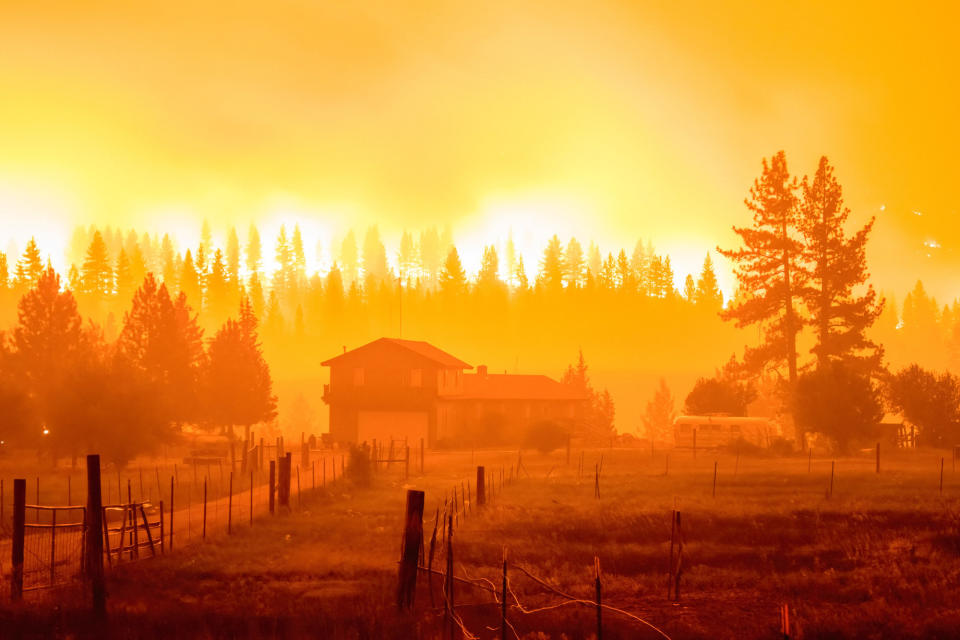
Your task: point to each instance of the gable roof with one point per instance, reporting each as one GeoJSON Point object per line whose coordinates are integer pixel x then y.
{"type": "Point", "coordinates": [507, 386]}
{"type": "Point", "coordinates": [418, 347]}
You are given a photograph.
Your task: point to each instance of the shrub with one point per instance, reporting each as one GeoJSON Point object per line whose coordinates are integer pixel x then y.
{"type": "Point", "coordinates": [546, 436]}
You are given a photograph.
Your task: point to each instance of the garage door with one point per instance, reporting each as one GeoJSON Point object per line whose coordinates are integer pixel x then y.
{"type": "Point", "coordinates": [383, 425]}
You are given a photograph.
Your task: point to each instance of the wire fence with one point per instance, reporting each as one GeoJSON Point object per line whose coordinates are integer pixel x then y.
{"type": "Point", "coordinates": [187, 504]}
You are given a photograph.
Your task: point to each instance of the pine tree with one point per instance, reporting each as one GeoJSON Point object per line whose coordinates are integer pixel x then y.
{"type": "Point", "coordinates": [453, 279]}
{"type": "Point", "coordinates": [510, 255]}
{"type": "Point", "coordinates": [690, 289]}
{"type": "Point", "coordinates": [640, 266]}
{"type": "Point", "coordinates": [659, 414]}
{"type": "Point", "coordinates": [162, 342]}
{"type": "Point", "coordinates": [29, 266]}
{"type": "Point", "coordinates": [573, 264]}
{"type": "Point", "coordinates": [237, 386]}
{"type": "Point", "coordinates": [624, 274]}
{"type": "Point", "coordinates": [299, 259]}
{"type": "Point", "coordinates": [551, 266]}
{"type": "Point", "coordinates": [233, 256]}
{"type": "Point", "coordinates": [96, 274]}
{"type": "Point", "coordinates": [521, 282]}
{"type": "Point", "coordinates": [488, 278]}
{"type": "Point", "coordinates": [406, 256]}
{"type": "Point", "coordinates": [348, 257]}
{"type": "Point", "coordinates": [836, 266]}
{"type": "Point", "coordinates": [374, 258]}
{"type": "Point", "coordinates": [218, 299]}
{"type": "Point", "coordinates": [4, 271]}
{"type": "Point", "coordinates": [254, 251]}
{"type": "Point", "coordinates": [708, 292]}
{"type": "Point", "coordinates": [125, 283]}
{"type": "Point", "coordinates": [283, 276]}
{"type": "Point", "coordinates": [206, 247]}
{"type": "Point", "coordinates": [49, 336]}
{"type": "Point", "coordinates": [768, 269]}
{"type": "Point", "coordinates": [190, 281]}
{"type": "Point", "coordinates": [168, 257]}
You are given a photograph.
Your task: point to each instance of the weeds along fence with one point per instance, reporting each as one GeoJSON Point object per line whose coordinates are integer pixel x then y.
{"type": "Point", "coordinates": [141, 516]}
{"type": "Point", "coordinates": [418, 555]}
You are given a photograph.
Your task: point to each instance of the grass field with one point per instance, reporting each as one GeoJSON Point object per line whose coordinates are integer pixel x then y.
{"type": "Point", "coordinates": [878, 559]}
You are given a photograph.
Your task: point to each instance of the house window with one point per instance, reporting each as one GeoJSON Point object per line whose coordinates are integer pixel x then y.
{"type": "Point", "coordinates": [358, 377]}
{"type": "Point", "coordinates": [416, 377]}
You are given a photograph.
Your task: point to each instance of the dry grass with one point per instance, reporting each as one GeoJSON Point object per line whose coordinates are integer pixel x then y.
{"type": "Point", "coordinates": [880, 559]}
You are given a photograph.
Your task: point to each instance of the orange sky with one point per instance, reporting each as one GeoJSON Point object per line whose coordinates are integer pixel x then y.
{"type": "Point", "coordinates": [612, 121]}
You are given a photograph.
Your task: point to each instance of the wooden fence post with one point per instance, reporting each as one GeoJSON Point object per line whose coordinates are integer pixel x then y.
{"type": "Point", "coordinates": [449, 579]}
{"type": "Point", "coordinates": [298, 486]}
{"type": "Point", "coordinates": [714, 478]}
{"type": "Point", "coordinates": [273, 476]}
{"type": "Point", "coordinates": [941, 476]}
{"type": "Point", "coordinates": [251, 498]}
{"type": "Point", "coordinates": [673, 535]}
{"type": "Point", "coordinates": [833, 464]}
{"type": "Point", "coordinates": [94, 536]}
{"type": "Point", "coordinates": [171, 513]}
{"type": "Point", "coordinates": [410, 549]}
{"type": "Point", "coordinates": [503, 599]}
{"type": "Point", "coordinates": [163, 548]}
{"type": "Point", "coordinates": [204, 507]}
{"type": "Point", "coordinates": [596, 481]}
{"type": "Point", "coordinates": [596, 566]}
{"type": "Point", "coordinates": [481, 487]}
{"type": "Point", "coordinates": [230, 506]}
{"type": "Point", "coordinates": [19, 529]}
{"type": "Point", "coordinates": [679, 566]}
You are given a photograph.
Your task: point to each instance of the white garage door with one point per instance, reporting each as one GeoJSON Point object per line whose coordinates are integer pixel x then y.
{"type": "Point", "coordinates": [383, 425]}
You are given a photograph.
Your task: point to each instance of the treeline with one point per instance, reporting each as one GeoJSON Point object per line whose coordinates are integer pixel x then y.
{"type": "Point", "coordinates": [621, 308]}
{"type": "Point", "coordinates": [803, 280]}
{"type": "Point", "coordinates": [65, 389]}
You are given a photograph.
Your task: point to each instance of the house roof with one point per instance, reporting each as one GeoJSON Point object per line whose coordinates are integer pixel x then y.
{"type": "Point", "coordinates": [505, 386]}
{"type": "Point", "coordinates": [419, 347]}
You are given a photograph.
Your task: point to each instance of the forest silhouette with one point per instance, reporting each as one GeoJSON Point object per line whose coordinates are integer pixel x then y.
{"type": "Point", "coordinates": [143, 335]}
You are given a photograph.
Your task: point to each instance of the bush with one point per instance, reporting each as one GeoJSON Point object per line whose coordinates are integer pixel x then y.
{"type": "Point", "coordinates": [546, 436]}
{"type": "Point", "coordinates": [360, 469]}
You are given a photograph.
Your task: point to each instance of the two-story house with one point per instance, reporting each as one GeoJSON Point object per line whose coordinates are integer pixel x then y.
{"type": "Point", "coordinates": [393, 388]}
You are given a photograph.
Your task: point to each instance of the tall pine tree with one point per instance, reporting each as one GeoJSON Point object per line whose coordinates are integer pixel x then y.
{"type": "Point", "coordinates": [768, 269]}
{"type": "Point", "coordinates": [837, 265]}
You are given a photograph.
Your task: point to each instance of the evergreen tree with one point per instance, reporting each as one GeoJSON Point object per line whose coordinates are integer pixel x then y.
{"type": "Point", "coordinates": [233, 256]}
{"type": "Point", "coordinates": [624, 274]}
{"type": "Point", "coordinates": [453, 279]}
{"type": "Point", "coordinates": [659, 414]}
{"type": "Point", "coordinates": [690, 289]}
{"type": "Point", "coordinates": [283, 277]}
{"type": "Point", "coordinates": [218, 298]}
{"type": "Point", "coordinates": [254, 252]}
{"type": "Point", "coordinates": [708, 294]}
{"type": "Point", "coordinates": [4, 271]}
{"type": "Point", "coordinates": [407, 256]}
{"type": "Point", "coordinates": [205, 250]}
{"type": "Point", "coordinates": [573, 264]}
{"type": "Point", "coordinates": [510, 255]}
{"type": "Point", "coordinates": [348, 257]}
{"type": "Point", "coordinates": [162, 343]}
{"type": "Point", "coordinates": [374, 258]}
{"type": "Point", "coordinates": [125, 283]}
{"type": "Point", "coordinates": [168, 256]}
{"type": "Point", "coordinates": [299, 259]}
{"type": "Point", "coordinates": [836, 266]}
{"type": "Point", "coordinates": [30, 266]}
{"type": "Point", "coordinates": [488, 278]}
{"type": "Point", "coordinates": [521, 282]}
{"type": "Point", "coordinates": [190, 281]}
{"type": "Point", "coordinates": [237, 386]}
{"type": "Point", "coordinates": [768, 269]}
{"type": "Point", "coordinates": [839, 402]}
{"type": "Point", "coordinates": [96, 274]}
{"type": "Point", "coordinates": [551, 266]}
{"type": "Point", "coordinates": [255, 292]}
{"type": "Point", "coordinates": [640, 266]}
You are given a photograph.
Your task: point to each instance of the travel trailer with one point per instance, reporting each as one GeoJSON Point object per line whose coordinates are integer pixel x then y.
{"type": "Point", "coordinates": [710, 432]}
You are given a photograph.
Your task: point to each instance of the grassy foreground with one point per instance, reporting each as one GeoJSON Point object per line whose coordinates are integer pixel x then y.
{"type": "Point", "coordinates": [878, 559]}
